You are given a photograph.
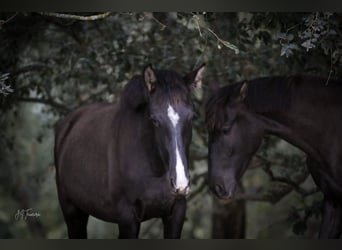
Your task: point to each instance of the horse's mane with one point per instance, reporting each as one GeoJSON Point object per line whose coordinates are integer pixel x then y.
{"type": "Point", "coordinates": [215, 106]}
{"type": "Point", "coordinates": [267, 94]}
{"type": "Point", "coordinates": [169, 85]}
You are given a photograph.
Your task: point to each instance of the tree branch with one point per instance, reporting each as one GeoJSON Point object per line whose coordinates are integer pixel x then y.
{"type": "Point", "coordinates": [29, 68]}
{"type": "Point", "coordinates": [197, 177]}
{"type": "Point", "coordinates": [200, 24]}
{"type": "Point", "coordinates": [151, 16]}
{"type": "Point", "coordinates": [2, 22]}
{"type": "Point", "coordinates": [77, 17]}
{"type": "Point", "coordinates": [250, 197]}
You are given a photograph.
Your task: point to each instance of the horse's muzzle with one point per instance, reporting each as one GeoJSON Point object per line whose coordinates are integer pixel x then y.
{"type": "Point", "coordinates": [223, 192]}
{"type": "Point", "coordinates": [179, 190]}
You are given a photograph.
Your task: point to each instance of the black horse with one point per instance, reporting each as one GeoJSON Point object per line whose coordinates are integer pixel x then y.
{"type": "Point", "coordinates": [127, 163]}
{"type": "Point", "coordinates": [305, 111]}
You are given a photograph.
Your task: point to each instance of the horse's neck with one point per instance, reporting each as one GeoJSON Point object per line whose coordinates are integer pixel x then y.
{"type": "Point", "coordinates": [312, 118]}
{"type": "Point", "coordinates": [290, 128]}
{"type": "Point", "coordinates": [135, 136]}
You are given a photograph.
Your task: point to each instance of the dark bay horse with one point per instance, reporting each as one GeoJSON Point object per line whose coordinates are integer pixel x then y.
{"type": "Point", "coordinates": [128, 162]}
{"type": "Point", "coordinates": [303, 110]}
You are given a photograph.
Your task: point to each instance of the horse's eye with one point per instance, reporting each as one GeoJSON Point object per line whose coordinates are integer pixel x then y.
{"type": "Point", "coordinates": [226, 130]}
{"type": "Point", "coordinates": [155, 122]}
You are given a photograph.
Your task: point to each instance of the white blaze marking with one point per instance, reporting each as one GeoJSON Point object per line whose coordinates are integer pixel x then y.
{"type": "Point", "coordinates": [181, 179]}
{"type": "Point", "coordinates": [173, 115]}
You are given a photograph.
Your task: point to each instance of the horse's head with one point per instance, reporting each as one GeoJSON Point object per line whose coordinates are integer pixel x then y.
{"type": "Point", "coordinates": [170, 111]}
{"type": "Point", "coordinates": [234, 136]}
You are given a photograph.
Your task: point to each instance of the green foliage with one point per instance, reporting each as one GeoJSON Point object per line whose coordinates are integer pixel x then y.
{"type": "Point", "coordinates": [4, 89]}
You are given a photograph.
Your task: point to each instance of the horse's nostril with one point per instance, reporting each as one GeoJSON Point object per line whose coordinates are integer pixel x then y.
{"type": "Point", "coordinates": [174, 189]}
{"type": "Point", "coordinates": [219, 190]}
{"type": "Point", "coordinates": [184, 190]}
{"type": "Point", "coordinates": [173, 185]}
{"type": "Point", "coordinates": [179, 190]}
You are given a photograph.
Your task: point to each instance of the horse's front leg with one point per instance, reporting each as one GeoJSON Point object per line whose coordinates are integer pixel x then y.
{"type": "Point", "coordinates": [331, 226]}
{"type": "Point", "coordinates": [129, 227]}
{"type": "Point", "coordinates": [129, 230]}
{"type": "Point", "coordinates": [173, 222]}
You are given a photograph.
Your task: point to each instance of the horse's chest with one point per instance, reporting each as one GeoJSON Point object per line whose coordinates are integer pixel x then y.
{"type": "Point", "coordinates": [151, 208]}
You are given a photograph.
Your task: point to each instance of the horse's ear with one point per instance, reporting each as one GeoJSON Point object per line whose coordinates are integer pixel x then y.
{"type": "Point", "coordinates": [195, 77]}
{"type": "Point", "coordinates": [149, 77]}
{"type": "Point", "coordinates": [243, 91]}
